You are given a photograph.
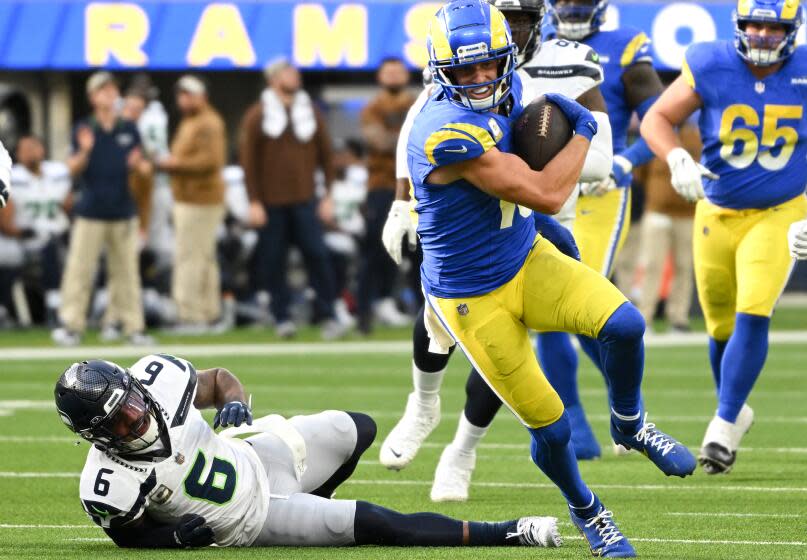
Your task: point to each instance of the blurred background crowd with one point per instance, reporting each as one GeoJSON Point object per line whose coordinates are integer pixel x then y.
{"type": "Point", "coordinates": [200, 201]}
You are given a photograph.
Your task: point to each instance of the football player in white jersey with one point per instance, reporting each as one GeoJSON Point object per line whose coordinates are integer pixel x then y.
{"type": "Point", "coordinates": [5, 176]}
{"type": "Point", "coordinates": [158, 476]}
{"type": "Point", "coordinates": [36, 219]}
{"type": "Point", "coordinates": [557, 66]}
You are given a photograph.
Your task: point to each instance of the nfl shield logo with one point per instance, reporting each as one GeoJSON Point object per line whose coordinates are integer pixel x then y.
{"type": "Point", "coordinates": [759, 87]}
{"type": "Point", "coordinates": [462, 309]}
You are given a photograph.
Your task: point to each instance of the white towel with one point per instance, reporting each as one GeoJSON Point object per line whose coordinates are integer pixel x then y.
{"type": "Point", "coordinates": [276, 118]}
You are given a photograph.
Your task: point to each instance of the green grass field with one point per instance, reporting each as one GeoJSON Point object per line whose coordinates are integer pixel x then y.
{"type": "Point", "coordinates": [758, 511]}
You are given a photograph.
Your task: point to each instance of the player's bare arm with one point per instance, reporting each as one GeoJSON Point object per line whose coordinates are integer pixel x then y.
{"type": "Point", "coordinates": [508, 177]}
{"type": "Point", "coordinates": [593, 100]}
{"type": "Point", "coordinates": [674, 106]}
{"type": "Point", "coordinates": [216, 387]}
{"type": "Point", "coordinates": [641, 82]}
{"type": "Point", "coordinates": [220, 389]}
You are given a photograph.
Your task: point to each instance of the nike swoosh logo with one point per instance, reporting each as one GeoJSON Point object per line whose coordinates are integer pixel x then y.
{"type": "Point", "coordinates": [462, 151]}
{"type": "Point", "coordinates": [397, 455]}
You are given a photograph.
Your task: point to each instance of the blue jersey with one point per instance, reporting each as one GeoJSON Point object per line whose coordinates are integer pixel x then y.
{"type": "Point", "coordinates": [472, 242]}
{"type": "Point", "coordinates": [619, 50]}
{"type": "Point", "coordinates": [754, 132]}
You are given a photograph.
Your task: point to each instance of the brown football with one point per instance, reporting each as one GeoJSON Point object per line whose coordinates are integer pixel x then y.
{"type": "Point", "coordinates": [541, 131]}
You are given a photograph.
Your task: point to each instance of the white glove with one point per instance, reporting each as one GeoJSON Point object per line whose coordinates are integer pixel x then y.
{"type": "Point", "coordinates": [619, 174]}
{"type": "Point", "coordinates": [5, 176]}
{"type": "Point", "coordinates": [687, 174]}
{"type": "Point", "coordinates": [397, 225]}
{"type": "Point", "coordinates": [797, 240]}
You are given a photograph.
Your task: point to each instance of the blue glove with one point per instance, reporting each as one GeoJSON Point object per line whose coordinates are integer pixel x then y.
{"type": "Point", "coordinates": [233, 413]}
{"type": "Point", "coordinates": [581, 118]}
{"type": "Point", "coordinates": [556, 234]}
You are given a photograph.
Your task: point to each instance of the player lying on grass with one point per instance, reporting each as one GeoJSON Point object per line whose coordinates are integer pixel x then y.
{"type": "Point", "coordinates": [158, 476]}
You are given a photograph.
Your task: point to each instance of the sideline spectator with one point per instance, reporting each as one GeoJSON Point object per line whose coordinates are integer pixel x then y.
{"type": "Point", "coordinates": [105, 149]}
{"type": "Point", "coordinates": [381, 122]}
{"type": "Point", "coordinates": [142, 106]}
{"type": "Point", "coordinates": [284, 140]}
{"type": "Point", "coordinates": [36, 217]}
{"type": "Point", "coordinates": [667, 229]}
{"type": "Point", "coordinates": [195, 164]}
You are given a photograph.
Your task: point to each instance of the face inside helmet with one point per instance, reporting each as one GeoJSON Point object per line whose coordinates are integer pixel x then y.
{"type": "Point", "coordinates": [524, 19]}
{"type": "Point", "coordinates": [472, 55]}
{"type": "Point", "coordinates": [577, 19]}
{"type": "Point", "coordinates": [133, 427]}
{"type": "Point", "coordinates": [762, 36]}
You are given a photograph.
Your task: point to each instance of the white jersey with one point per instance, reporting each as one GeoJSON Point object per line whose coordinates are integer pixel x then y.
{"type": "Point", "coordinates": [217, 477]}
{"type": "Point", "coordinates": [559, 66]}
{"type": "Point", "coordinates": [38, 199]}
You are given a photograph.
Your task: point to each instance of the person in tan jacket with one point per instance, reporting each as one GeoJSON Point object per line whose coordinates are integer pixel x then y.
{"type": "Point", "coordinates": [667, 230]}
{"type": "Point", "coordinates": [198, 155]}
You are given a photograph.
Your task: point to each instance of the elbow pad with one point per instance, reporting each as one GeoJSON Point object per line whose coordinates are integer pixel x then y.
{"type": "Point", "coordinates": [599, 158]}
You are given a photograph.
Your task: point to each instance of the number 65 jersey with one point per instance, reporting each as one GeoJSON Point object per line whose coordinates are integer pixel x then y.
{"type": "Point", "coordinates": [216, 477]}
{"type": "Point", "coordinates": [754, 131]}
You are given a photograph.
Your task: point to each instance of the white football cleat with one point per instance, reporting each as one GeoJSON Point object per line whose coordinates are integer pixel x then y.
{"type": "Point", "coordinates": [405, 439]}
{"type": "Point", "coordinates": [537, 531]}
{"type": "Point", "coordinates": [387, 313]}
{"type": "Point", "coordinates": [722, 440]}
{"type": "Point", "coordinates": [63, 336]}
{"type": "Point", "coordinates": [452, 478]}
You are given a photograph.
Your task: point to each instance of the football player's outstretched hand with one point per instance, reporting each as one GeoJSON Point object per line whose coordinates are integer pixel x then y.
{"type": "Point", "coordinates": [5, 176]}
{"type": "Point", "coordinates": [797, 240]}
{"type": "Point", "coordinates": [193, 531]}
{"type": "Point", "coordinates": [397, 225]}
{"type": "Point", "coordinates": [235, 413]}
{"type": "Point", "coordinates": [687, 174]}
{"type": "Point", "coordinates": [583, 122]}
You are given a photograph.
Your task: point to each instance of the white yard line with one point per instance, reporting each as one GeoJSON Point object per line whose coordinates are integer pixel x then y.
{"type": "Point", "coordinates": [703, 541]}
{"type": "Point", "coordinates": [39, 526]}
{"type": "Point", "coordinates": [729, 514]}
{"type": "Point", "coordinates": [310, 348]}
{"type": "Point", "coordinates": [536, 485]}
{"type": "Point", "coordinates": [649, 487]}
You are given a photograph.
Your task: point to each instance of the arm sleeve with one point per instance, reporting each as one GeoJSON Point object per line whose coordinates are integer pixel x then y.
{"type": "Point", "coordinates": [248, 151]}
{"type": "Point", "coordinates": [638, 153]}
{"type": "Point", "coordinates": [600, 156]}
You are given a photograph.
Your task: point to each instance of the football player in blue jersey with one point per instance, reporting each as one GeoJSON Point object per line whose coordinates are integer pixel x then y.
{"type": "Point", "coordinates": [488, 277]}
{"type": "Point", "coordinates": [750, 187]}
{"type": "Point", "coordinates": [603, 209]}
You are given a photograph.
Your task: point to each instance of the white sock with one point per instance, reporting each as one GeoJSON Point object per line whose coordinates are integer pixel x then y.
{"type": "Point", "coordinates": [427, 384]}
{"type": "Point", "coordinates": [468, 436]}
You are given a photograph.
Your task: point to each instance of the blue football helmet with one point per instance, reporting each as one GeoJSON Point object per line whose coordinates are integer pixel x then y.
{"type": "Point", "coordinates": [465, 32]}
{"type": "Point", "coordinates": [577, 20]}
{"type": "Point", "coordinates": [765, 51]}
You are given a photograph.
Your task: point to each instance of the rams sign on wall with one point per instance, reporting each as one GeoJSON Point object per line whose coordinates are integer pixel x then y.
{"type": "Point", "coordinates": [163, 34]}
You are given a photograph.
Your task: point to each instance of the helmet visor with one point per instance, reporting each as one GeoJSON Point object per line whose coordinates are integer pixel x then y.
{"type": "Point", "coordinates": [134, 426]}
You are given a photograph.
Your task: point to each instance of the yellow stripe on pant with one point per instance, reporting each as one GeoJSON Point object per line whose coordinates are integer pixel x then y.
{"type": "Point", "coordinates": [742, 263]}
{"type": "Point", "coordinates": [551, 292]}
{"type": "Point", "coordinates": [601, 227]}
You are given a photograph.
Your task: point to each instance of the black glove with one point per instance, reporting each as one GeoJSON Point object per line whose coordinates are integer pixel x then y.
{"type": "Point", "coordinates": [27, 233]}
{"type": "Point", "coordinates": [233, 413]}
{"type": "Point", "coordinates": [192, 531]}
